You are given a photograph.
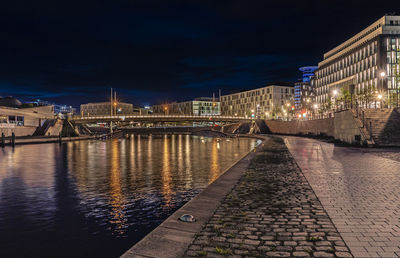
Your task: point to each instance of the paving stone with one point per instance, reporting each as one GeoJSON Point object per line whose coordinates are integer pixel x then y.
{"type": "Point", "coordinates": [322, 254]}
{"type": "Point", "coordinates": [343, 254]}
{"type": "Point", "coordinates": [359, 189]}
{"type": "Point", "coordinates": [301, 254]}
{"type": "Point", "coordinates": [272, 211]}
{"type": "Point", "coordinates": [278, 254]}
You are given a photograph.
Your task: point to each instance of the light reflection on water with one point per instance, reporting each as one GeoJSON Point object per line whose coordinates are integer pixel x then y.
{"type": "Point", "coordinates": [94, 198]}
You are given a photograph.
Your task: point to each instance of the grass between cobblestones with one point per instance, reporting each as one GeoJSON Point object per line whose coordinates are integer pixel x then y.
{"type": "Point", "coordinates": [271, 212]}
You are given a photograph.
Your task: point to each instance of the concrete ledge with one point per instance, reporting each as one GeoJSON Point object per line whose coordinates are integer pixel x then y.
{"type": "Point", "coordinates": [172, 237]}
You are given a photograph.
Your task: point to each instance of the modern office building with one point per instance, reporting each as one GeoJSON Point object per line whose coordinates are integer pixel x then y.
{"type": "Point", "coordinates": [271, 101]}
{"type": "Point", "coordinates": [23, 121]}
{"type": "Point", "coordinates": [197, 107]}
{"type": "Point", "coordinates": [58, 109]}
{"type": "Point", "coordinates": [366, 63]}
{"type": "Point", "coordinates": [104, 108]}
{"type": "Point", "coordinates": [303, 90]}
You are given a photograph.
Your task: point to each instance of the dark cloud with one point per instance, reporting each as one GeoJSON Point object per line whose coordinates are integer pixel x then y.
{"type": "Point", "coordinates": [154, 51]}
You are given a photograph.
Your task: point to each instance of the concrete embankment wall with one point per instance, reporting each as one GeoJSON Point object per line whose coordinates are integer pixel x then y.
{"type": "Point", "coordinates": [18, 130]}
{"type": "Point", "coordinates": [314, 127]}
{"type": "Point", "coordinates": [342, 127]}
{"type": "Point", "coordinates": [346, 129]}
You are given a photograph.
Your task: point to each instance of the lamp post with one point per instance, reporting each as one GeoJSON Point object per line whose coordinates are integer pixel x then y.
{"type": "Point", "coordinates": [380, 99]}
{"type": "Point", "coordinates": [315, 109]}
{"type": "Point", "coordinates": [335, 92]}
{"type": "Point", "coordinates": [382, 76]}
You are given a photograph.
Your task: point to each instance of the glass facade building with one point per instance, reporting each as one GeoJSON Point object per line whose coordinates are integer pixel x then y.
{"type": "Point", "coordinates": [303, 90]}
{"type": "Point", "coordinates": [367, 64]}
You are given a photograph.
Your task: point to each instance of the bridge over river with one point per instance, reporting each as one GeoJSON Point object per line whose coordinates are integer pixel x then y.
{"type": "Point", "coordinates": [158, 119]}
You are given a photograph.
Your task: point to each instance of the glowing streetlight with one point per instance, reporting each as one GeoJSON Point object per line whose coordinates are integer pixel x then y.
{"type": "Point", "coordinates": [379, 96]}
{"type": "Point", "coordinates": [335, 92]}
{"type": "Point", "coordinates": [308, 100]}
{"type": "Point", "coordinates": [315, 106]}
{"type": "Point", "coordinates": [383, 74]}
{"type": "Point", "coordinates": [252, 111]}
{"type": "Point", "coordinates": [299, 115]}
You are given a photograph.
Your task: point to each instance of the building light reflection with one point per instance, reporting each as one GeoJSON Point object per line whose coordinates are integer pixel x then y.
{"type": "Point", "coordinates": [116, 197]}
{"type": "Point", "coordinates": [215, 168]}
{"type": "Point", "coordinates": [166, 175]}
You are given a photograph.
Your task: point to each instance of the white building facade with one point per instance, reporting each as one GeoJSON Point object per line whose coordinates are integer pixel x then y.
{"type": "Point", "coordinates": [271, 101]}
{"type": "Point", "coordinates": [196, 107]}
{"type": "Point", "coordinates": [365, 66]}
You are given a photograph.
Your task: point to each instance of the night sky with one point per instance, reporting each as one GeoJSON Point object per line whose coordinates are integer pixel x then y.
{"type": "Point", "coordinates": [151, 52]}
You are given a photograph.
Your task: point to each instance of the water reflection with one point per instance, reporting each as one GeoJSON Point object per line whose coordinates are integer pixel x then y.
{"type": "Point", "coordinates": [102, 196]}
{"type": "Point", "coordinates": [117, 216]}
{"type": "Point", "coordinates": [166, 174]}
{"type": "Point", "coordinates": [215, 169]}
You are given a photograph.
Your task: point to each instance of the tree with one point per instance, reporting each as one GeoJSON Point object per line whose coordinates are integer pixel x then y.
{"type": "Point", "coordinates": [367, 96]}
{"type": "Point", "coordinates": [276, 111]}
{"type": "Point", "coordinates": [344, 97]}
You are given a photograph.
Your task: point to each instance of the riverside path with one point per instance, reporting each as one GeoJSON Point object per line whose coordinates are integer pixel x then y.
{"type": "Point", "coordinates": [271, 212]}
{"type": "Point", "coordinates": [360, 191]}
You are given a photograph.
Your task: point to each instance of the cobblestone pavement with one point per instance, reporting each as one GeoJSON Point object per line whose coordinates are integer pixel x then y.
{"type": "Point", "coordinates": [271, 212]}
{"type": "Point", "coordinates": [360, 191]}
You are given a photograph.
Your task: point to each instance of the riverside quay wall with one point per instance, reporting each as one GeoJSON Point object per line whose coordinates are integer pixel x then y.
{"type": "Point", "coordinates": [344, 127]}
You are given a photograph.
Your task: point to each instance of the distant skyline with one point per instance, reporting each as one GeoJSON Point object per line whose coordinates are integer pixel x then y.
{"type": "Point", "coordinates": [73, 52]}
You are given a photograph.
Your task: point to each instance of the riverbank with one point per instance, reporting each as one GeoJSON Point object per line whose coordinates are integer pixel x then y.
{"type": "Point", "coordinates": [271, 212]}
{"type": "Point", "coordinates": [44, 139]}
{"type": "Point", "coordinates": [172, 237]}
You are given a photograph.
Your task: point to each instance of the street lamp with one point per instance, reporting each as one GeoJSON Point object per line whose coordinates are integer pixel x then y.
{"type": "Point", "coordinates": [382, 76]}
{"type": "Point", "coordinates": [335, 92]}
{"type": "Point", "coordinates": [380, 100]}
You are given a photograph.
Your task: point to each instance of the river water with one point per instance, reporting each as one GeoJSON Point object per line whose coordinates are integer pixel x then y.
{"type": "Point", "coordinates": [98, 198]}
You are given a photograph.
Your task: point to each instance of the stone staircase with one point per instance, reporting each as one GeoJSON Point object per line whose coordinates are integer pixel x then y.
{"type": "Point", "coordinates": [41, 130]}
{"type": "Point", "coordinates": [383, 125]}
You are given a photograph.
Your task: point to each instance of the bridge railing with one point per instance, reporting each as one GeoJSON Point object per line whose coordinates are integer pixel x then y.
{"type": "Point", "coordinates": [123, 117]}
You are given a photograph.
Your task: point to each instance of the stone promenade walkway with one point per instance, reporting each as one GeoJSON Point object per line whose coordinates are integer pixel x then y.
{"type": "Point", "coordinates": [360, 192]}
{"type": "Point", "coordinates": [271, 212]}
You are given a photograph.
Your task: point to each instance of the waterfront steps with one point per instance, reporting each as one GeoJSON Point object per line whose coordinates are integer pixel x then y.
{"type": "Point", "coordinates": [383, 125]}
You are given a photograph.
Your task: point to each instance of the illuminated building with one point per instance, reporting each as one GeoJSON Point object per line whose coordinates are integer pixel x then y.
{"type": "Point", "coordinates": [197, 107]}
{"type": "Point", "coordinates": [303, 90]}
{"type": "Point", "coordinates": [104, 108]}
{"type": "Point", "coordinates": [267, 102]}
{"type": "Point", "coordinates": [23, 121]}
{"type": "Point", "coordinates": [366, 64]}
